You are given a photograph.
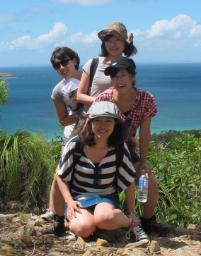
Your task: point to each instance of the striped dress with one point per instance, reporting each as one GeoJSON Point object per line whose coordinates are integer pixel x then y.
{"type": "Point", "coordinates": [88, 178]}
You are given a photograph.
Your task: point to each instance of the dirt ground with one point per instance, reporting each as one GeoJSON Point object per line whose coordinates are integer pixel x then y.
{"type": "Point", "coordinates": [22, 234]}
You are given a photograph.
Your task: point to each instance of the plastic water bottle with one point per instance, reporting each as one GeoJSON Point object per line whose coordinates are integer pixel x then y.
{"type": "Point", "coordinates": [143, 188]}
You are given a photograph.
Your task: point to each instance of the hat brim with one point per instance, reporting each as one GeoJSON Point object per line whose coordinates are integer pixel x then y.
{"type": "Point", "coordinates": [105, 115]}
{"type": "Point", "coordinates": [105, 32]}
{"type": "Point", "coordinates": [103, 108]}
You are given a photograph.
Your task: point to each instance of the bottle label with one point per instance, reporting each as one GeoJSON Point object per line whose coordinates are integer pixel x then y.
{"type": "Point", "coordinates": [141, 182]}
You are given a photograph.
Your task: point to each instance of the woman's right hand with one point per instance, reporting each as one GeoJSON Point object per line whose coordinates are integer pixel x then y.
{"type": "Point", "coordinates": [134, 220]}
{"type": "Point", "coordinates": [73, 207]}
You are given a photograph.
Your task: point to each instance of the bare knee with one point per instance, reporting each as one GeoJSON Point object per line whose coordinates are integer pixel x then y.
{"type": "Point", "coordinates": [104, 216]}
{"type": "Point", "coordinates": [83, 228]}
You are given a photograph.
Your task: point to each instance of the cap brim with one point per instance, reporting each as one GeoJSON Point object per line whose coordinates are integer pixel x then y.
{"type": "Point", "coordinates": [106, 115]}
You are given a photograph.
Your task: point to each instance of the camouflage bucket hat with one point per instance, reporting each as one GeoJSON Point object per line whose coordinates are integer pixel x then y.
{"type": "Point", "coordinates": [114, 28]}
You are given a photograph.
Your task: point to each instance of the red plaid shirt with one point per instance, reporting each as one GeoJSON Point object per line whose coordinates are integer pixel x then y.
{"type": "Point", "coordinates": [143, 107]}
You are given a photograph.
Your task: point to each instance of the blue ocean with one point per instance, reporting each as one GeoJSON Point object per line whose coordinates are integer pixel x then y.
{"type": "Point", "coordinates": [176, 87]}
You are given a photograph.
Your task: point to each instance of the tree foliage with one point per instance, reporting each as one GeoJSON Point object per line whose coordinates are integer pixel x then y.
{"type": "Point", "coordinates": [3, 92]}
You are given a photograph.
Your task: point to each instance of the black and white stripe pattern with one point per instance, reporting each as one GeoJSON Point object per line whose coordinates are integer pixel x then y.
{"type": "Point", "coordinates": [90, 178]}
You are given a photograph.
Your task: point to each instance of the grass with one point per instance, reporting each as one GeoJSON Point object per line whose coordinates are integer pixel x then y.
{"type": "Point", "coordinates": [26, 166]}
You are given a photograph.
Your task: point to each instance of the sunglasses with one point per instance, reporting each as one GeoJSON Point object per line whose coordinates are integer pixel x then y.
{"type": "Point", "coordinates": [58, 62]}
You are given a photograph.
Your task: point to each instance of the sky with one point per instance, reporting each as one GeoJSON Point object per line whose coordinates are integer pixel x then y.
{"type": "Point", "coordinates": [165, 31]}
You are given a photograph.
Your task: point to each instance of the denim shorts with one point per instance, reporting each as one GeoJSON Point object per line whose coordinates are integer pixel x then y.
{"type": "Point", "coordinates": [92, 200]}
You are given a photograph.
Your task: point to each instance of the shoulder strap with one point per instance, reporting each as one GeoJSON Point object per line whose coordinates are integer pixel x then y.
{"type": "Point", "coordinates": [77, 153]}
{"type": "Point", "coordinates": [93, 67]}
{"type": "Point", "coordinates": [119, 159]}
{"type": "Point", "coordinates": [119, 155]}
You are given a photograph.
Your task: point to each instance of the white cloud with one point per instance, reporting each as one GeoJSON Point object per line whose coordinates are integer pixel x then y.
{"type": "Point", "coordinates": [59, 29]}
{"type": "Point", "coordinates": [179, 27]}
{"type": "Point", "coordinates": [26, 41]}
{"type": "Point", "coordinates": [23, 41]}
{"type": "Point", "coordinates": [84, 39]}
{"type": "Point", "coordinates": [137, 33]}
{"type": "Point", "coordinates": [182, 27]}
{"type": "Point", "coordinates": [84, 2]}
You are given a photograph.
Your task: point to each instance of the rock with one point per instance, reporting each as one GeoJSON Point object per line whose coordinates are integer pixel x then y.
{"type": "Point", "coordinates": [102, 242]}
{"type": "Point", "coordinates": [184, 251]}
{"type": "Point", "coordinates": [27, 240]}
{"type": "Point", "coordinates": [192, 227]}
{"type": "Point", "coordinates": [154, 247]}
{"type": "Point", "coordinates": [131, 252]}
{"type": "Point", "coordinates": [137, 244]}
{"type": "Point", "coordinates": [88, 253]}
{"type": "Point", "coordinates": [80, 240]}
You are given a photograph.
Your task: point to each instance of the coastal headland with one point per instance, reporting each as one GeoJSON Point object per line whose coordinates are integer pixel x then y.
{"type": "Point", "coordinates": [3, 74]}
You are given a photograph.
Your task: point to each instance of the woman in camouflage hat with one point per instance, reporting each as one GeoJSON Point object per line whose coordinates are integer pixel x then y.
{"type": "Point", "coordinates": [115, 43]}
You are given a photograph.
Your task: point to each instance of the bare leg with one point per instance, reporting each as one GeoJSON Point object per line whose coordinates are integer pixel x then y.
{"type": "Point", "coordinates": [106, 217]}
{"type": "Point", "coordinates": [55, 195]}
{"type": "Point", "coordinates": [83, 224]}
{"type": "Point", "coordinates": [56, 201]}
{"type": "Point", "coordinates": [153, 195]}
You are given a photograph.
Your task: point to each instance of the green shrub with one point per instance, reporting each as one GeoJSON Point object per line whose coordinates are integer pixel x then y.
{"type": "Point", "coordinates": [3, 92]}
{"type": "Point", "coordinates": [26, 168]}
{"type": "Point", "coordinates": [176, 164]}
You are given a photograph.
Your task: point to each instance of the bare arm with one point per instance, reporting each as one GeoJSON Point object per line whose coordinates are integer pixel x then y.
{"type": "Point", "coordinates": [62, 114]}
{"type": "Point", "coordinates": [145, 136]}
{"type": "Point", "coordinates": [64, 189]}
{"type": "Point", "coordinates": [73, 206]}
{"type": "Point", "coordinates": [130, 203]}
{"type": "Point", "coordinates": [83, 90]}
{"type": "Point", "coordinates": [130, 198]}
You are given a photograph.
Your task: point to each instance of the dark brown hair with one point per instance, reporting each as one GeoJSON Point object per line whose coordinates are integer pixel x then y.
{"type": "Point", "coordinates": [115, 139]}
{"type": "Point", "coordinates": [129, 49]}
{"type": "Point", "coordinates": [61, 55]}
